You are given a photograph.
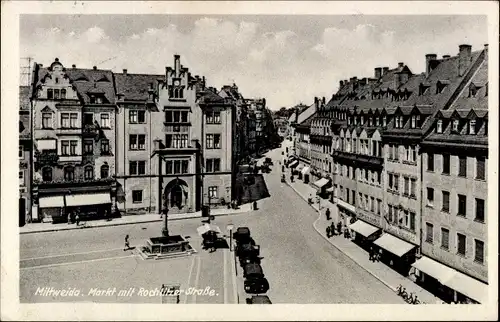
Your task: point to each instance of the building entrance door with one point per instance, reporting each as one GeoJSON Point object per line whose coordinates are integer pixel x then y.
{"type": "Point", "coordinates": [176, 196]}
{"type": "Point", "coordinates": [22, 212]}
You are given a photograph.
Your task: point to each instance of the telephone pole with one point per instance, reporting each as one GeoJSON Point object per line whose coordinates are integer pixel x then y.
{"type": "Point", "coordinates": [25, 70]}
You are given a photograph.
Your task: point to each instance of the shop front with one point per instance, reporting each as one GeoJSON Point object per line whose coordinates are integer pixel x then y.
{"type": "Point", "coordinates": [305, 174]}
{"type": "Point", "coordinates": [299, 170]}
{"type": "Point", "coordinates": [449, 284]}
{"type": "Point", "coordinates": [396, 253]}
{"type": "Point", "coordinates": [346, 212]}
{"type": "Point", "coordinates": [321, 185]}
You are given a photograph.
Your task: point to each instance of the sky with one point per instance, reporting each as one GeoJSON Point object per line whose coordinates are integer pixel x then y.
{"type": "Point", "coordinates": [288, 59]}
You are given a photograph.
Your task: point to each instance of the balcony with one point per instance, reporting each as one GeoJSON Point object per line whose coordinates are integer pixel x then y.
{"type": "Point", "coordinates": [91, 130]}
{"type": "Point", "coordinates": [367, 160]}
{"type": "Point", "coordinates": [46, 158]}
{"type": "Point", "coordinates": [68, 131]}
{"type": "Point", "coordinates": [70, 158]}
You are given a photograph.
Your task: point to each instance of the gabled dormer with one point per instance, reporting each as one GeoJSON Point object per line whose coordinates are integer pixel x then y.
{"type": "Point", "coordinates": [473, 89]}
{"type": "Point", "coordinates": [416, 118]}
{"type": "Point", "coordinates": [441, 85]}
{"type": "Point", "coordinates": [457, 123]}
{"type": "Point", "coordinates": [399, 118]}
{"type": "Point", "coordinates": [423, 88]}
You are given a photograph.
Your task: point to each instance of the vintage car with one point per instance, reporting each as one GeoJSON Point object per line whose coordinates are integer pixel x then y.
{"type": "Point", "coordinates": [242, 234]}
{"type": "Point", "coordinates": [258, 299]}
{"type": "Point", "coordinates": [268, 161]}
{"type": "Point", "coordinates": [247, 253]}
{"type": "Point", "coordinates": [252, 270]}
{"type": "Point", "coordinates": [256, 285]}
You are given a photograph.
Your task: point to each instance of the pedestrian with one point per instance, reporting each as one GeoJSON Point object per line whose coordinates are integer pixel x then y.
{"type": "Point", "coordinates": [328, 231]}
{"type": "Point", "coordinates": [327, 213]}
{"type": "Point", "coordinates": [332, 228]}
{"type": "Point", "coordinates": [339, 227]}
{"type": "Point", "coordinates": [372, 254]}
{"type": "Point", "coordinates": [69, 218]}
{"type": "Point", "coordinates": [77, 219]}
{"type": "Point", "coordinates": [255, 205]}
{"type": "Point", "coordinates": [127, 244]}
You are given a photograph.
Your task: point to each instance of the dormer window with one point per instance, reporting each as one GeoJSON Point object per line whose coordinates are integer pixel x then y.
{"type": "Point", "coordinates": [384, 121]}
{"type": "Point", "coordinates": [399, 122]}
{"type": "Point", "coordinates": [472, 127]}
{"type": "Point", "coordinates": [455, 125]}
{"type": "Point", "coordinates": [349, 121]}
{"type": "Point", "coordinates": [376, 121]}
{"type": "Point", "coordinates": [50, 94]}
{"type": "Point", "coordinates": [355, 120]}
{"type": "Point", "coordinates": [472, 90]}
{"type": "Point", "coordinates": [415, 120]}
{"type": "Point", "coordinates": [370, 120]}
{"type": "Point", "coordinates": [439, 126]}
{"type": "Point", "coordinates": [57, 80]}
{"type": "Point", "coordinates": [362, 120]}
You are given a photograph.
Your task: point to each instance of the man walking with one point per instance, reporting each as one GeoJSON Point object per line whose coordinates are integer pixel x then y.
{"type": "Point", "coordinates": [127, 244]}
{"type": "Point", "coordinates": [327, 213]}
{"type": "Point", "coordinates": [339, 227]}
{"type": "Point", "coordinates": [77, 219]}
{"type": "Point", "coordinates": [328, 231]}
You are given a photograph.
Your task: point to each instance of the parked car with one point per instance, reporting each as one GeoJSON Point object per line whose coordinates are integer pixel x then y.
{"type": "Point", "coordinates": [247, 252]}
{"type": "Point", "coordinates": [256, 285]}
{"type": "Point", "coordinates": [242, 234]}
{"type": "Point", "coordinates": [252, 270]}
{"type": "Point", "coordinates": [259, 299]}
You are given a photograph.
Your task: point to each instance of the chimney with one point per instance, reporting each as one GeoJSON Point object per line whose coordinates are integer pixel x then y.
{"type": "Point", "coordinates": [341, 84]}
{"type": "Point", "coordinates": [316, 101]}
{"type": "Point", "coordinates": [428, 59]}
{"type": "Point", "coordinates": [150, 85]}
{"type": "Point", "coordinates": [41, 65]}
{"type": "Point", "coordinates": [385, 70]}
{"type": "Point", "coordinates": [401, 65]}
{"type": "Point", "coordinates": [378, 72]}
{"type": "Point", "coordinates": [324, 100]}
{"type": "Point", "coordinates": [94, 68]}
{"type": "Point", "coordinates": [125, 71]}
{"type": "Point", "coordinates": [362, 81]}
{"type": "Point", "coordinates": [446, 56]}
{"type": "Point", "coordinates": [353, 79]}
{"type": "Point", "coordinates": [485, 46]}
{"type": "Point", "coordinates": [74, 66]}
{"type": "Point", "coordinates": [464, 58]}
{"type": "Point", "coordinates": [56, 59]}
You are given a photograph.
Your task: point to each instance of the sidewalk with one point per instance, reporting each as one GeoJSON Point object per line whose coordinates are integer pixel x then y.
{"type": "Point", "coordinates": [379, 270]}
{"type": "Point", "coordinates": [127, 220]}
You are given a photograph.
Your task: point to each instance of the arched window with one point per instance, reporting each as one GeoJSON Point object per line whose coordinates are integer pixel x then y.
{"type": "Point", "coordinates": [104, 171]}
{"type": "Point", "coordinates": [89, 173]}
{"type": "Point", "coordinates": [69, 173]}
{"type": "Point", "coordinates": [47, 174]}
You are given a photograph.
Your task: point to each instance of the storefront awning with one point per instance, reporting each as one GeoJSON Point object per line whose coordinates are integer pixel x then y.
{"type": "Point", "coordinates": [469, 287]}
{"type": "Point", "coordinates": [321, 182]}
{"type": "Point", "coordinates": [440, 272]}
{"type": "Point", "coordinates": [294, 164]}
{"type": "Point", "coordinates": [363, 228]}
{"type": "Point", "coordinates": [394, 245]}
{"type": "Point", "coordinates": [300, 167]}
{"type": "Point", "coordinates": [51, 202]}
{"type": "Point", "coordinates": [291, 158]}
{"type": "Point", "coordinates": [329, 189]}
{"type": "Point", "coordinates": [88, 199]}
{"type": "Point", "coordinates": [206, 228]}
{"type": "Point", "coordinates": [306, 170]}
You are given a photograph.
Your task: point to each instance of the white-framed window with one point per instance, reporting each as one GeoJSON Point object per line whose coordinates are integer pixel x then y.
{"type": "Point", "coordinates": [430, 197]}
{"type": "Point", "coordinates": [21, 178]}
{"type": "Point", "coordinates": [46, 120]}
{"type": "Point", "coordinates": [478, 251]}
{"type": "Point", "coordinates": [105, 122]}
{"type": "Point", "coordinates": [213, 192]}
{"type": "Point", "coordinates": [429, 232]}
{"type": "Point", "coordinates": [136, 196]}
{"type": "Point", "coordinates": [439, 126]}
{"type": "Point", "coordinates": [455, 124]}
{"type": "Point", "coordinates": [21, 152]}
{"type": "Point", "coordinates": [88, 172]}
{"type": "Point", "coordinates": [472, 127]}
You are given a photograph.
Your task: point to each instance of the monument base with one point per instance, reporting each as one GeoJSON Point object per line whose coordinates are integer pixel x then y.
{"type": "Point", "coordinates": [166, 247]}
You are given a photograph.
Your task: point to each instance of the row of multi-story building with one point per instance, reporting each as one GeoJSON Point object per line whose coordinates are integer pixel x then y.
{"type": "Point", "coordinates": [103, 144]}
{"type": "Point", "coordinates": [404, 157]}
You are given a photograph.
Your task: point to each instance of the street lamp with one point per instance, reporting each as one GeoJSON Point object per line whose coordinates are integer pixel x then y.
{"type": "Point", "coordinates": [230, 228]}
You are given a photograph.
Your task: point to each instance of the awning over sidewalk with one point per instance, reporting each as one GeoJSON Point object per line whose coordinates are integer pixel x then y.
{"type": "Point", "coordinates": [435, 269]}
{"type": "Point", "coordinates": [321, 183]}
{"type": "Point", "coordinates": [306, 170]}
{"type": "Point", "coordinates": [88, 199]}
{"type": "Point", "coordinates": [394, 245]}
{"type": "Point", "coordinates": [329, 189]}
{"type": "Point", "coordinates": [294, 164]}
{"type": "Point", "coordinates": [468, 286]}
{"type": "Point", "coordinates": [363, 228]}
{"type": "Point", "coordinates": [51, 202]}
{"type": "Point", "coordinates": [300, 167]}
{"type": "Point", "coordinates": [206, 228]}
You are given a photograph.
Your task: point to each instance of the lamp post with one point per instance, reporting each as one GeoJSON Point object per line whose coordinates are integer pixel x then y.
{"type": "Point", "coordinates": [230, 228]}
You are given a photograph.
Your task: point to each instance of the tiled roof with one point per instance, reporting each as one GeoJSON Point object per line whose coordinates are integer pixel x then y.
{"type": "Point", "coordinates": [135, 87]}
{"type": "Point", "coordinates": [209, 97]}
{"type": "Point", "coordinates": [24, 97]}
{"type": "Point", "coordinates": [307, 113]}
{"type": "Point", "coordinates": [480, 101]}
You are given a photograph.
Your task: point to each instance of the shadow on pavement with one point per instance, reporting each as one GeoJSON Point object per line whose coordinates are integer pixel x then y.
{"type": "Point", "coordinates": [253, 190]}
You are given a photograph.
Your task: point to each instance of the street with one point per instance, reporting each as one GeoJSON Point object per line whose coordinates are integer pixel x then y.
{"type": "Point", "coordinates": [299, 264]}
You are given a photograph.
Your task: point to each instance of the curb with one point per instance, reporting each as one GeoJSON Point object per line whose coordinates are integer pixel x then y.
{"type": "Point", "coordinates": [343, 252]}
{"type": "Point", "coordinates": [125, 223]}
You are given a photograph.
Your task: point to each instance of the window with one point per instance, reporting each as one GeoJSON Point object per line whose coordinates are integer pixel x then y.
{"type": "Point", "coordinates": [141, 167]}
{"type": "Point", "coordinates": [348, 195]}
{"type": "Point", "coordinates": [478, 251]}
{"type": "Point", "coordinates": [136, 196]}
{"type": "Point", "coordinates": [89, 173]}
{"type": "Point", "coordinates": [142, 142]}
{"type": "Point", "coordinates": [72, 147]}
{"type": "Point", "coordinates": [454, 127]}
{"type": "Point", "coordinates": [213, 165]}
{"type": "Point", "coordinates": [213, 118]}
{"type": "Point", "coordinates": [69, 173]}
{"type": "Point", "coordinates": [132, 116]}
{"type": "Point", "coordinates": [105, 120]}
{"type": "Point", "coordinates": [176, 116]}
{"type": "Point", "coordinates": [472, 127]}
{"type": "Point", "coordinates": [462, 206]}
{"type": "Point", "coordinates": [462, 166]}
{"type": "Point", "coordinates": [185, 166]}
{"type": "Point", "coordinates": [132, 168]}
{"type": "Point", "coordinates": [413, 187]}
{"type": "Point", "coordinates": [430, 162]}
{"type": "Point", "coordinates": [169, 168]}
{"type": "Point", "coordinates": [406, 191]}
{"type": "Point", "coordinates": [413, 121]}
{"type": "Point", "coordinates": [439, 126]}
{"type": "Point", "coordinates": [21, 177]}
{"type": "Point", "coordinates": [177, 166]}
{"type": "Point", "coordinates": [379, 206]}
{"type": "Point", "coordinates": [213, 192]}
{"type": "Point", "coordinates": [65, 147]}
{"type": "Point", "coordinates": [372, 204]}
{"type": "Point", "coordinates": [396, 182]}
{"type": "Point", "coordinates": [21, 152]}
{"type": "Point", "coordinates": [353, 197]}
{"type": "Point", "coordinates": [480, 168]}
{"type": "Point", "coordinates": [217, 142]}
{"type": "Point", "coordinates": [446, 202]}
{"type": "Point", "coordinates": [176, 140]}
{"type": "Point", "coordinates": [461, 244]}
{"type": "Point", "coordinates": [88, 119]}
{"type": "Point", "coordinates": [63, 93]}
{"type": "Point", "coordinates": [446, 164]}
{"type": "Point", "coordinates": [73, 121]}
{"type": "Point", "coordinates": [367, 203]}
{"type": "Point", "coordinates": [65, 120]}
{"type": "Point", "coordinates": [384, 121]}
{"type": "Point", "coordinates": [141, 117]}
{"type": "Point", "coordinates": [430, 196]}
{"type": "Point", "coordinates": [88, 147]}
{"type": "Point", "coordinates": [445, 238]}
{"type": "Point", "coordinates": [396, 152]}
{"type": "Point", "coordinates": [104, 171]}
{"type": "Point", "coordinates": [132, 142]}
{"type": "Point", "coordinates": [104, 146]}
{"type": "Point", "coordinates": [50, 94]}
{"type": "Point", "coordinates": [412, 221]}
{"type": "Point", "coordinates": [429, 232]}
{"type": "Point", "coordinates": [46, 120]}
{"type": "Point", "coordinates": [56, 94]}
{"type": "Point", "coordinates": [47, 174]}
{"type": "Point", "coordinates": [479, 210]}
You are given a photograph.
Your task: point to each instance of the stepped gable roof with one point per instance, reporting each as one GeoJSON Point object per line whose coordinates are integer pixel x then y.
{"type": "Point", "coordinates": [135, 87]}
{"type": "Point", "coordinates": [24, 97]}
